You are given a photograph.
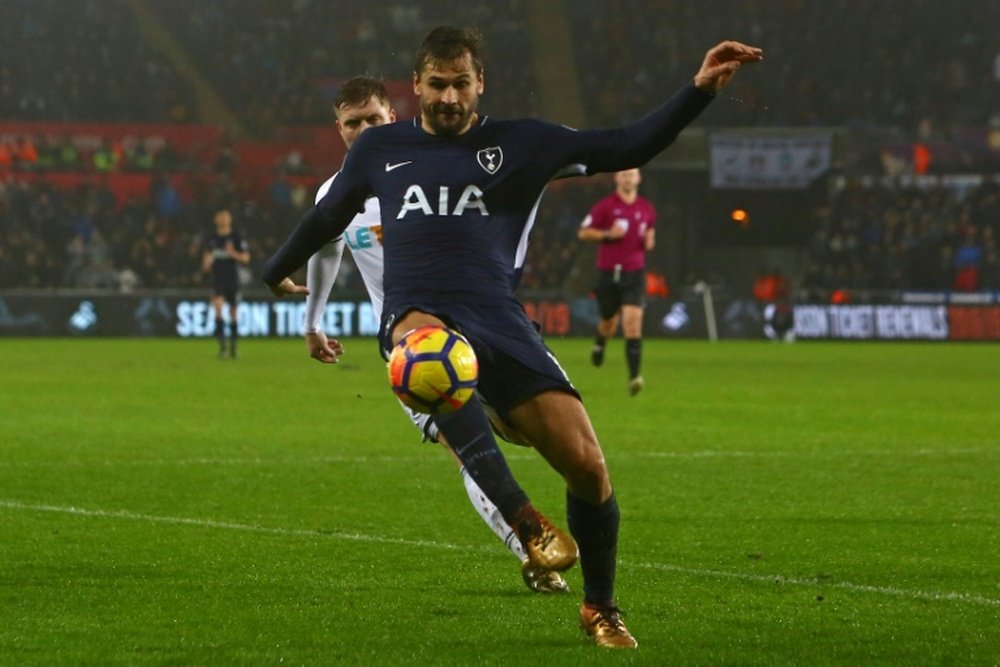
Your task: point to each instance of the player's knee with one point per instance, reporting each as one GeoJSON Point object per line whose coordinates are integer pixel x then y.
{"type": "Point", "coordinates": [587, 474]}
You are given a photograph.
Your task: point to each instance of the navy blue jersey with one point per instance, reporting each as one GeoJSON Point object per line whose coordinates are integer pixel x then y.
{"type": "Point", "coordinates": [224, 267]}
{"type": "Point", "coordinates": [457, 210]}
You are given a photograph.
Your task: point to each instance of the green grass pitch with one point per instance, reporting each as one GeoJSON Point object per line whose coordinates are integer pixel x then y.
{"type": "Point", "coordinates": [800, 504]}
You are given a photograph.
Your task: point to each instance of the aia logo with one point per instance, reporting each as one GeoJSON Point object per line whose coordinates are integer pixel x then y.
{"type": "Point", "coordinates": [416, 200]}
{"type": "Point", "coordinates": [490, 159]}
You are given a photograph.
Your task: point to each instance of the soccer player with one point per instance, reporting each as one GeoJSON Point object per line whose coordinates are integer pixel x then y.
{"type": "Point", "coordinates": [362, 103]}
{"type": "Point", "coordinates": [624, 224]}
{"type": "Point", "coordinates": [458, 192]}
{"type": "Point", "coordinates": [225, 251]}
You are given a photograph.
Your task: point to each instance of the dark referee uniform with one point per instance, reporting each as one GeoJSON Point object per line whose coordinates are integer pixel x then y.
{"type": "Point", "coordinates": [621, 263]}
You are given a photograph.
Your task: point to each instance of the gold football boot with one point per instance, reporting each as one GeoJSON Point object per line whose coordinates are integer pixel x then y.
{"type": "Point", "coordinates": [541, 580]}
{"type": "Point", "coordinates": [605, 625]}
{"type": "Point", "coordinates": [546, 545]}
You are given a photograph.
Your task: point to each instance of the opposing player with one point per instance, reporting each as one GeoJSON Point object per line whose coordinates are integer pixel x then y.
{"type": "Point", "coordinates": [623, 223]}
{"type": "Point", "coordinates": [225, 251]}
{"type": "Point", "coordinates": [458, 193]}
{"type": "Point", "coordinates": [362, 103]}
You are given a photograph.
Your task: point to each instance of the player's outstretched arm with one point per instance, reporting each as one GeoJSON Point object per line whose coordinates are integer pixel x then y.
{"type": "Point", "coordinates": [635, 144]}
{"type": "Point", "coordinates": [722, 62]}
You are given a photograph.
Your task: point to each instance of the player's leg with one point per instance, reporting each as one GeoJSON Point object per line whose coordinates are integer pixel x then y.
{"type": "Point", "coordinates": [468, 434]}
{"type": "Point", "coordinates": [536, 579]}
{"type": "Point", "coordinates": [503, 428]}
{"type": "Point", "coordinates": [557, 423]}
{"type": "Point", "coordinates": [234, 330]}
{"type": "Point", "coordinates": [218, 300]}
{"type": "Point", "coordinates": [633, 300]}
{"type": "Point", "coordinates": [632, 330]}
{"type": "Point", "coordinates": [608, 304]}
{"type": "Point", "coordinates": [606, 329]}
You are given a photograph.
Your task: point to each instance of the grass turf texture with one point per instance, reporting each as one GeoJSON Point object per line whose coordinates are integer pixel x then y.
{"type": "Point", "coordinates": [782, 504]}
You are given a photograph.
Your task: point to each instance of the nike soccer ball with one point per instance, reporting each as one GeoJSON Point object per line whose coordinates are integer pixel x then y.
{"type": "Point", "coordinates": [433, 370]}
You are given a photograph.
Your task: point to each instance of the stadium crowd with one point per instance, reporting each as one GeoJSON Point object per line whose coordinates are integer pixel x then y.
{"type": "Point", "coordinates": [270, 61]}
{"type": "Point", "coordinates": [85, 61]}
{"type": "Point", "coordinates": [251, 53]}
{"type": "Point", "coordinates": [875, 238]}
{"type": "Point", "coordinates": [832, 63]}
{"type": "Point", "coordinates": [252, 50]}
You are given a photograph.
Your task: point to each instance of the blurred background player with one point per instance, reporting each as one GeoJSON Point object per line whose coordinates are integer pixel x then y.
{"type": "Point", "coordinates": [623, 223]}
{"type": "Point", "coordinates": [363, 102]}
{"type": "Point", "coordinates": [225, 252]}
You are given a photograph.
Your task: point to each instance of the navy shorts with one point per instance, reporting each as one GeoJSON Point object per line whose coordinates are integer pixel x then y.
{"type": "Point", "coordinates": [229, 290]}
{"type": "Point", "coordinates": [514, 362]}
{"type": "Point", "coordinates": [620, 288]}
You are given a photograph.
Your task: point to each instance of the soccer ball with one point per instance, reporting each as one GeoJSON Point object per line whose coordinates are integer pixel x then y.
{"type": "Point", "coordinates": [433, 370]}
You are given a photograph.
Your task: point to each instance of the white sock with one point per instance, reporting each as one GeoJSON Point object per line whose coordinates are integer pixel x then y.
{"type": "Point", "coordinates": [491, 515]}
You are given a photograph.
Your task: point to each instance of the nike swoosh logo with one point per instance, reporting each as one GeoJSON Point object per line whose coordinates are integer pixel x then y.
{"type": "Point", "coordinates": [389, 166]}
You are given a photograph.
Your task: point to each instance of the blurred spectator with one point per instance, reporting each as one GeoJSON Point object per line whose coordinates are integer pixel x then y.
{"type": "Point", "coordinates": [25, 153]}
{"type": "Point", "coordinates": [108, 157]}
{"type": "Point", "coordinates": [138, 157]}
{"type": "Point", "coordinates": [167, 198]}
{"type": "Point", "coordinates": [968, 260]}
{"type": "Point", "coordinates": [225, 159]}
{"type": "Point", "coordinates": [6, 154]}
{"type": "Point", "coordinates": [656, 285]}
{"type": "Point", "coordinates": [770, 286]}
{"type": "Point", "coordinates": [279, 194]}
{"type": "Point", "coordinates": [68, 157]}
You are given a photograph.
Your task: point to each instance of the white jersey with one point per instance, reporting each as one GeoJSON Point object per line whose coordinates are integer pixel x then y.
{"type": "Point", "coordinates": [364, 239]}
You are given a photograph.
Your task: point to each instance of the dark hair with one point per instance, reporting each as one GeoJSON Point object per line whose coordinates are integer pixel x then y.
{"type": "Point", "coordinates": [446, 43]}
{"type": "Point", "coordinates": [358, 90]}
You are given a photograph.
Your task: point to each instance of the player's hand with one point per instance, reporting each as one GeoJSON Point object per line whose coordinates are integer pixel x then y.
{"type": "Point", "coordinates": [722, 62]}
{"type": "Point", "coordinates": [287, 286]}
{"type": "Point", "coordinates": [322, 349]}
{"type": "Point", "coordinates": [617, 231]}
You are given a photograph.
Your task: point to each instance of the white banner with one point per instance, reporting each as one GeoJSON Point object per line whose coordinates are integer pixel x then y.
{"type": "Point", "coordinates": [872, 322]}
{"type": "Point", "coordinates": [741, 161]}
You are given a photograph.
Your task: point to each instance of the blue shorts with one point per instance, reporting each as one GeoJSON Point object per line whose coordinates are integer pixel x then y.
{"type": "Point", "coordinates": [514, 362]}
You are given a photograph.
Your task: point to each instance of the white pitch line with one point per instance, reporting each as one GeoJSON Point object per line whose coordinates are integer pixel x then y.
{"type": "Point", "coordinates": [228, 525]}
{"type": "Point", "coordinates": [182, 463]}
{"type": "Point", "coordinates": [932, 596]}
{"type": "Point", "coordinates": [513, 456]}
{"type": "Point", "coordinates": [844, 585]}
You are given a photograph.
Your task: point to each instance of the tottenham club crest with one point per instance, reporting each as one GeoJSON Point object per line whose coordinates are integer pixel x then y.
{"type": "Point", "coordinates": [490, 159]}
